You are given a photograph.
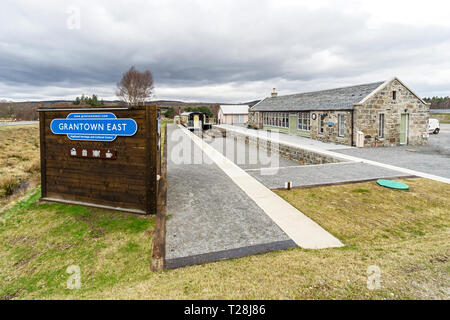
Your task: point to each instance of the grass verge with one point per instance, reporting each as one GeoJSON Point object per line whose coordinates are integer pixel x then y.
{"type": "Point", "coordinates": [40, 241]}
{"type": "Point", "coordinates": [404, 233]}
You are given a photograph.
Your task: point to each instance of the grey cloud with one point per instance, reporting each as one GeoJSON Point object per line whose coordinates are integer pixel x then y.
{"type": "Point", "coordinates": [203, 45]}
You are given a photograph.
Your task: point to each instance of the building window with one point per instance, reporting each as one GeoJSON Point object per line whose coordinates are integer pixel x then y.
{"type": "Point", "coordinates": [276, 119]}
{"type": "Point", "coordinates": [303, 121]}
{"type": "Point", "coordinates": [341, 125]}
{"type": "Point", "coordinates": [381, 125]}
{"type": "Point", "coordinates": [394, 95]}
{"type": "Point", "coordinates": [321, 123]}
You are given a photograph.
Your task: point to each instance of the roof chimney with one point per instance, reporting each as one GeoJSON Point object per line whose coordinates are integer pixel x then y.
{"type": "Point", "coordinates": [274, 92]}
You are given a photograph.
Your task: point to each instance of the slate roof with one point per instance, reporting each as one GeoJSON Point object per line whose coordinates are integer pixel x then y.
{"type": "Point", "coordinates": [333, 99]}
{"type": "Point", "coordinates": [234, 109]}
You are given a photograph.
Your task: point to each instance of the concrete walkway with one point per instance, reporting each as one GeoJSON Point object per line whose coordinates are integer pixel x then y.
{"type": "Point", "coordinates": [218, 211]}
{"type": "Point", "coordinates": [339, 153]}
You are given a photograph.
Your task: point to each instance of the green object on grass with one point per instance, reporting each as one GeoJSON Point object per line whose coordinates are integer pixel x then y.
{"type": "Point", "coordinates": [393, 184]}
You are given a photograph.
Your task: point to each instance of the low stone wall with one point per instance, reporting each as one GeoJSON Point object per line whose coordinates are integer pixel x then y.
{"type": "Point", "coordinates": [305, 157]}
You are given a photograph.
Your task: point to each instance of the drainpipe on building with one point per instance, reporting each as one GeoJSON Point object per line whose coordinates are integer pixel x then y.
{"type": "Point", "coordinates": [353, 134]}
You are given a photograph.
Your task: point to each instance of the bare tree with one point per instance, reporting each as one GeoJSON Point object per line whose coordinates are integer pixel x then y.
{"type": "Point", "coordinates": [135, 87]}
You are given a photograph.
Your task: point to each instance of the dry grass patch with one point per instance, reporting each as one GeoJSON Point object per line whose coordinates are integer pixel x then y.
{"type": "Point", "coordinates": [19, 161]}
{"type": "Point", "coordinates": [442, 117]}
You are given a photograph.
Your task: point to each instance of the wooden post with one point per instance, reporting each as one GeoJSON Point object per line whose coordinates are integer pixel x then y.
{"type": "Point", "coordinates": [43, 155]}
{"type": "Point", "coordinates": [164, 174]}
{"type": "Point", "coordinates": [158, 258]}
{"type": "Point", "coordinates": [152, 159]}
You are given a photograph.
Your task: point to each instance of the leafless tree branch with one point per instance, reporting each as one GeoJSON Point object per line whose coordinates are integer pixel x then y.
{"type": "Point", "coordinates": [135, 87]}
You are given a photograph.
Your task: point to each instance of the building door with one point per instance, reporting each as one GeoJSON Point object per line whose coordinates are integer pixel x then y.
{"type": "Point", "coordinates": [292, 123]}
{"type": "Point", "coordinates": [196, 121]}
{"type": "Point", "coordinates": [404, 123]}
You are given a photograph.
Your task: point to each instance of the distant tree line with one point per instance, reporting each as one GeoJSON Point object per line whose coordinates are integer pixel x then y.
{"type": "Point", "coordinates": [92, 101]}
{"type": "Point", "coordinates": [203, 109]}
{"type": "Point", "coordinates": [438, 102]}
{"type": "Point", "coordinates": [19, 111]}
{"type": "Point", "coordinates": [171, 112]}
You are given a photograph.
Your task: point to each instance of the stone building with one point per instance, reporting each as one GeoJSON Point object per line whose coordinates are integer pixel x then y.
{"type": "Point", "coordinates": [387, 113]}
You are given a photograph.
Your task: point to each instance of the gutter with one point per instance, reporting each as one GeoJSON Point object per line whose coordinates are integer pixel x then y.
{"type": "Point", "coordinates": [353, 128]}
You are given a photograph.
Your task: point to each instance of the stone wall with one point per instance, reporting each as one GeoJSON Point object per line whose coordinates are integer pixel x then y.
{"type": "Point", "coordinates": [292, 153]}
{"type": "Point", "coordinates": [366, 116]}
{"type": "Point", "coordinates": [255, 120]}
{"type": "Point", "coordinates": [331, 132]}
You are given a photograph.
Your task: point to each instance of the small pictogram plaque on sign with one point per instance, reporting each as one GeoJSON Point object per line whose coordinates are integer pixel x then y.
{"type": "Point", "coordinates": [93, 153]}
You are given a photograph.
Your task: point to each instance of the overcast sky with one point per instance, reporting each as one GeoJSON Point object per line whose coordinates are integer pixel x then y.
{"type": "Point", "coordinates": [222, 51]}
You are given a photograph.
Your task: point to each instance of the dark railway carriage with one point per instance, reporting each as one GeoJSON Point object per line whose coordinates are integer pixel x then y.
{"type": "Point", "coordinates": [196, 121]}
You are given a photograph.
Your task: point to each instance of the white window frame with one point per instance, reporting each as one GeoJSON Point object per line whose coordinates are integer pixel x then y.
{"type": "Point", "coordinates": [303, 121]}
{"type": "Point", "coordinates": [341, 125]}
{"type": "Point", "coordinates": [276, 119]}
{"type": "Point", "coordinates": [381, 125]}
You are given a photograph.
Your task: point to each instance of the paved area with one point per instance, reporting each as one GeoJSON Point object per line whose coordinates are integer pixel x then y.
{"type": "Point", "coordinates": [434, 166]}
{"type": "Point", "coordinates": [433, 158]}
{"type": "Point", "coordinates": [332, 173]}
{"type": "Point", "coordinates": [433, 111]}
{"type": "Point", "coordinates": [248, 156]}
{"type": "Point", "coordinates": [275, 171]}
{"type": "Point", "coordinates": [290, 138]}
{"type": "Point", "coordinates": [439, 143]}
{"type": "Point", "coordinates": [209, 213]}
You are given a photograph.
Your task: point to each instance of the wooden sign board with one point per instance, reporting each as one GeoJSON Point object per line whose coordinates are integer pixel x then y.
{"type": "Point", "coordinates": [104, 157]}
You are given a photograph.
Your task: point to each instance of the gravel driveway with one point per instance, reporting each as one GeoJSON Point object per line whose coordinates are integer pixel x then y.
{"type": "Point", "coordinates": [433, 158]}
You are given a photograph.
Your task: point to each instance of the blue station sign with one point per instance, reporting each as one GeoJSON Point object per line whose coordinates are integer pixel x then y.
{"type": "Point", "coordinates": [103, 126]}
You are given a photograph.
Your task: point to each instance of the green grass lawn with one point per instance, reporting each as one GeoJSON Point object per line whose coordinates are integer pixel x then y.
{"type": "Point", "coordinates": [39, 241]}
{"type": "Point", "coordinates": [405, 233]}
